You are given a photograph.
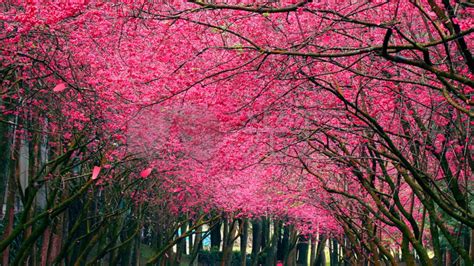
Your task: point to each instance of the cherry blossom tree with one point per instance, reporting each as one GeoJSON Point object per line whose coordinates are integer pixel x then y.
{"type": "Point", "coordinates": [350, 120]}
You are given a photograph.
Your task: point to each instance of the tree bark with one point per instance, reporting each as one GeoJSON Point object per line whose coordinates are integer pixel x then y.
{"type": "Point", "coordinates": [243, 242]}
{"type": "Point", "coordinates": [302, 251]}
{"type": "Point", "coordinates": [5, 163]}
{"type": "Point", "coordinates": [216, 236]}
{"type": "Point", "coordinates": [196, 247]}
{"type": "Point", "coordinates": [471, 251]}
{"type": "Point", "coordinates": [45, 246]}
{"type": "Point", "coordinates": [10, 210]}
{"type": "Point", "coordinates": [271, 257]}
{"type": "Point", "coordinates": [229, 239]}
{"type": "Point", "coordinates": [256, 240]}
{"type": "Point", "coordinates": [320, 255]}
{"type": "Point", "coordinates": [290, 258]}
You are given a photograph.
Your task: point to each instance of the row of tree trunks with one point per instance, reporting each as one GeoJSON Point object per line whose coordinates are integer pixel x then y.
{"type": "Point", "coordinates": [272, 243]}
{"type": "Point", "coordinates": [271, 240]}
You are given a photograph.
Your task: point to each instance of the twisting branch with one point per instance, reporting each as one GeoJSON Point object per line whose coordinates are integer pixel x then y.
{"type": "Point", "coordinates": [254, 9]}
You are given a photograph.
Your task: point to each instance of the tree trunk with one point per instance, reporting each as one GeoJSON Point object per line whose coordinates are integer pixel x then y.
{"type": "Point", "coordinates": [136, 251]}
{"type": "Point", "coordinates": [285, 243]}
{"type": "Point", "coordinates": [5, 162]}
{"type": "Point", "coordinates": [56, 243]}
{"type": "Point", "coordinates": [226, 234]}
{"type": "Point", "coordinates": [216, 236]}
{"type": "Point", "coordinates": [265, 234]}
{"type": "Point", "coordinates": [256, 240]}
{"type": "Point", "coordinates": [57, 236]}
{"type": "Point", "coordinates": [190, 239]}
{"type": "Point", "coordinates": [312, 253]}
{"type": "Point", "coordinates": [196, 247]}
{"type": "Point", "coordinates": [471, 251]}
{"type": "Point", "coordinates": [290, 259]}
{"type": "Point", "coordinates": [229, 239]}
{"type": "Point", "coordinates": [243, 242]}
{"type": "Point", "coordinates": [10, 210]}
{"type": "Point", "coordinates": [271, 257]}
{"type": "Point", "coordinates": [24, 165]}
{"type": "Point", "coordinates": [449, 261]}
{"type": "Point", "coordinates": [437, 259]}
{"type": "Point", "coordinates": [181, 245]}
{"type": "Point", "coordinates": [334, 253]}
{"type": "Point", "coordinates": [320, 254]}
{"type": "Point", "coordinates": [407, 257]}
{"type": "Point", "coordinates": [45, 246]}
{"type": "Point", "coordinates": [302, 251]}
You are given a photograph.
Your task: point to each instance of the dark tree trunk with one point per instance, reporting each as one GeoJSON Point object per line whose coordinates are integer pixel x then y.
{"type": "Point", "coordinates": [285, 243]}
{"type": "Point", "coordinates": [334, 256]}
{"type": "Point", "coordinates": [45, 246]}
{"type": "Point", "coordinates": [471, 249]}
{"type": "Point", "coordinates": [279, 253]}
{"type": "Point", "coordinates": [190, 239]}
{"type": "Point", "coordinates": [438, 255]}
{"type": "Point", "coordinates": [312, 256]}
{"type": "Point", "coordinates": [225, 242]}
{"type": "Point", "coordinates": [302, 251]}
{"type": "Point", "coordinates": [216, 236]}
{"type": "Point", "coordinates": [5, 162]}
{"type": "Point", "coordinates": [256, 240]}
{"type": "Point", "coordinates": [271, 257]}
{"type": "Point", "coordinates": [10, 208]}
{"type": "Point", "coordinates": [136, 251]}
{"type": "Point", "coordinates": [181, 245]}
{"type": "Point", "coordinates": [243, 242]}
{"type": "Point", "coordinates": [265, 233]}
{"type": "Point", "coordinates": [407, 257]}
{"type": "Point", "coordinates": [290, 258]}
{"type": "Point", "coordinates": [448, 256]}
{"type": "Point", "coordinates": [197, 246]}
{"type": "Point", "coordinates": [230, 236]}
{"type": "Point", "coordinates": [320, 255]}
{"type": "Point", "coordinates": [266, 242]}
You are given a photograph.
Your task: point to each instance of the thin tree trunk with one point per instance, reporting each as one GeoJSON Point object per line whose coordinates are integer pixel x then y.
{"type": "Point", "coordinates": [290, 259]}
{"type": "Point", "coordinates": [265, 234]}
{"type": "Point", "coordinates": [285, 242]}
{"type": "Point", "coordinates": [243, 242]}
{"type": "Point", "coordinates": [57, 234]}
{"type": "Point", "coordinates": [320, 255]}
{"type": "Point", "coordinates": [312, 256]}
{"type": "Point", "coordinates": [230, 236]}
{"type": "Point", "coordinates": [136, 251]}
{"type": "Point", "coordinates": [9, 227]}
{"type": "Point", "coordinates": [471, 251]}
{"type": "Point", "coordinates": [225, 236]}
{"type": "Point", "coordinates": [302, 251]}
{"type": "Point", "coordinates": [10, 208]}
{"type": "Point", "coordinates": [271, 257]}
{"type": "Point", "coordinates": [437, 259]}
{"type": "Point", "coordinates": [448, 255]}
{"type": "Point", "coordinates": [181, 245]}
{"type": "Point", "coordinates": [5, 163]}
{"type": "Point", "coordinates": [216, 236]}
{"type": "Point", "coordinates": [45, 246]}
{"type": "Point", "coordinates": [256, 240]}
{"type": "Point", "coordinates": [190, 239]}
{"type": "Point", "coordinates": [197, 246]}
{"type": "Point", "coordinates": [56, 244]}
{"type": "Point", "coordinates": [334, 253]}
